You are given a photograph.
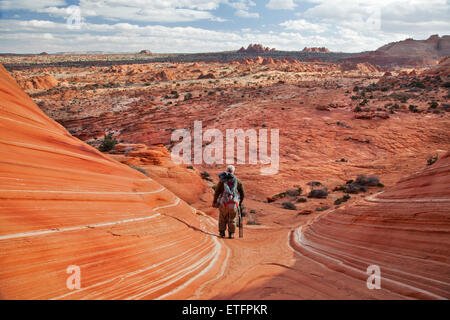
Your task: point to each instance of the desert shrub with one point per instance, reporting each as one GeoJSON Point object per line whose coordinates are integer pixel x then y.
{"type": "Point", "coordinates": [342, 200]}
{"type": "Point", "coordinates": [413, 108]}
{"type": "Point", "coordinates": [108, 143]}
{"type": "Point", "coordinates": [140, 170]}
{"type": "Point", "coordinates": [357, 109]}
{"type": "Point", "coordinates": [206, 176]}
{"type": "Point", "coordinates": [432, 160]}
{"type": "Point", "coordinates": [364, 102]}
{"type": "Point", "coordinates": [188, 96]}
{"type": "Point", "coordinates": [433, 104]}
{"type": "Point", "coordinates": [354, 188]}
{"type": "Point", "coordinates": [417, 84]}
{"type": "Point", "coordinates": [446, 84]}
{"type": "Point", "coordinates": [301, 200]}
{"type": "Point", "coordinates": [314, 184]}
{"type": "Point", "coordinates": [318, 193]}
{"type": "Point", "coordinates": [289, 205]}
{"type": "Point", "coordinates": [294, 192]}
{"type": "Point", "coordinates": [322, 208]}
{"type": "Point", "coordinates": [340, 187]}
{"type": "Point", "coordinates": [371, 181]}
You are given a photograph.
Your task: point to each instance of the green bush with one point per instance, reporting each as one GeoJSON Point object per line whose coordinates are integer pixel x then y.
{"type": "Point", "coordinates": [108, 143]}
{"type": "Point", "coordinates": [433, 104]}
{"type": "Point", "coordinates": [432, 159]}
{"type": "Point", "coordinates": [417, 84]}
{"type": "Point", "coordinates": [289, 205]}
{"type": "Point", "coordinates": [413, 108]}
{"type": "Point", "coordinates": [318, 194]}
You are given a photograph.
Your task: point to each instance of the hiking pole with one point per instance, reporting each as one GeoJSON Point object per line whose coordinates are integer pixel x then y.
{"type": "Point", "coordinates": [241, 227]}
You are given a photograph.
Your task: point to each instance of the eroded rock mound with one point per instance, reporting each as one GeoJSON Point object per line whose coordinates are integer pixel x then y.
{"type": "Point", "coordinates": [364, 67]}
{"type": "Point", "coordinates": [44, 82]}
{"type": "Point", "coordinates": [404, 231]}
{"type": "Point", "coordinates": [65, 204]}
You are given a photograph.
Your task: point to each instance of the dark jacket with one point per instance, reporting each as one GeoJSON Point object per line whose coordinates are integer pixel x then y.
{"type": "Point", "coordinates": [219, 190]}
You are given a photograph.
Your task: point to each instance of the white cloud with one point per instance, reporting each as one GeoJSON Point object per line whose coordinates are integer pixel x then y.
{"type": "Point", "coordinates": [30, 36]}
{"type": "Point", "coordinates": [340, 25]}
{"type": "Point", "coordinates": [155, 11]}
{"type": "Point", "coordinates": [29, 4]}
{"type": "Point", "coordinates": [389, 16]}
{"type": "Point", "coordinates": [281, 4]}
{"type": "Point", "coordinates": [245, 14]}
{"type": "Point", "coordinates": [303, 25]}
{"type": "Point", "coordinates": [242, 8]}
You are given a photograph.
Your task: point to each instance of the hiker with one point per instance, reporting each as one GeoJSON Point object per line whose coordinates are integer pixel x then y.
{"type": "Point", "coordinates": [228, 196]}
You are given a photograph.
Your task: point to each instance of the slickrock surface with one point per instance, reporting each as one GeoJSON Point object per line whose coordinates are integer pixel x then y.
{"type": "Point", "coordinates": [405, 231]}
{"type": "Point", "coordinates": [64, 203]}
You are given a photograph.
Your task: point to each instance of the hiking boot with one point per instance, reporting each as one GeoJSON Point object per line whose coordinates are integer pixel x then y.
{"type": "Point", "coordinates": [231, 236]}
{"type": "Point", "coordinates": [222, 234]}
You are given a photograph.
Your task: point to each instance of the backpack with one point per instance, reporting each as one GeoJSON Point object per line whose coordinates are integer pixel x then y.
{"type": "Point", "coordinates": [230, 195]}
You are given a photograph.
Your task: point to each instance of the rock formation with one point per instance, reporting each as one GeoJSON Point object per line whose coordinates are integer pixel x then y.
{"type": "Point", "coordinates": [38, 82]}
{"type": "Point", "coordinates": [408, 52]}
{"type": "Point", "coordinates": [364, 67]}
{"type": "Point", "coordinates": [315, 49]}
{"type": "Point", "coordinates": [65, 205]}
{"type": "Point", "coordinates": [255, 48]}
{"type": "Point", "coordinates": [405, 231]}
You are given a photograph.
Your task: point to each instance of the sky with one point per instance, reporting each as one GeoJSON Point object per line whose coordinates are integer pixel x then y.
{"type": "Point", "coordinates": [192, 26]}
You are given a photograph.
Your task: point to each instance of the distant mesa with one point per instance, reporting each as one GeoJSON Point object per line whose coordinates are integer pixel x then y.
{"type": "Point", "coordinates": [433, 46]}
{"type": "Point", "coordinates": [316, 49]}
{"type": "Point", "coordinates": [43, 54]}
{"type": "Point", "coordinates": [409, 52]}
{"type": "Point", "coordinates": [256, 48]}
{"type": "Point", "coordinates": [147, 52]}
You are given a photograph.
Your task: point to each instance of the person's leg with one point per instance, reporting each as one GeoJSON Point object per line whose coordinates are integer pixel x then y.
{"type": "Point", "coordinates": [223, 220]}
{"type": "Point", "coordinates": [232, 219]}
